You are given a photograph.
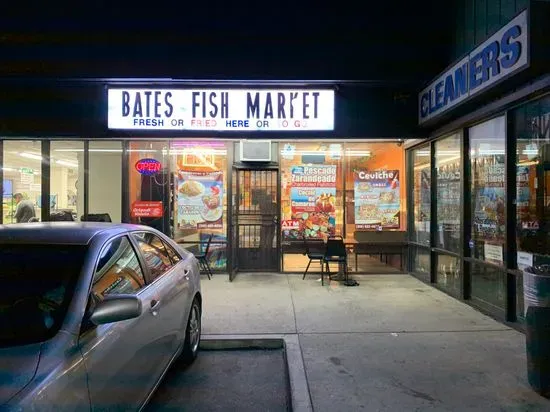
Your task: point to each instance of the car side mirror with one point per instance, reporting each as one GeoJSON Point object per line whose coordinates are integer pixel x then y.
{"type": "Point", "coordinates": [116, 308]}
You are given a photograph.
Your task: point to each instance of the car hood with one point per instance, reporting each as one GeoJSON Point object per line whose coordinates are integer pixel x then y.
{"type": "Point", "coordinates": [17, 368]}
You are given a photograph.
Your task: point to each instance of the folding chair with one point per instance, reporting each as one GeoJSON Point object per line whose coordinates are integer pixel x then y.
{"type": "Point", "coordinates": [336, 252]}
{"type": "Point", "coordinates": [313, 255]}
{"type": "Point", "coordinates": [203, 258]}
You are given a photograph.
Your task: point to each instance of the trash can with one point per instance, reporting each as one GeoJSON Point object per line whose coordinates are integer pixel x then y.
{"type": "Point", "coordinates": [536, 293]}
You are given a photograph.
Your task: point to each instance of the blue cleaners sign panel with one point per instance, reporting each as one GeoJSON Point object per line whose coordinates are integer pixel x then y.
{"type": "Point", "coordinates": [221, 110]}
{"type": "Point", "coordinates": [503, 54]}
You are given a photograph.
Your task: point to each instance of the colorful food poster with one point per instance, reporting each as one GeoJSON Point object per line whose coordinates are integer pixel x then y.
{"type": "Point", "coordinates": [200, 200]}
{"type": "Point", "coordinates": [377, 200]}
{"type": "Point", "coordinates": [488, 217]}
{"type": "Point", "coordinates": [312, 197]}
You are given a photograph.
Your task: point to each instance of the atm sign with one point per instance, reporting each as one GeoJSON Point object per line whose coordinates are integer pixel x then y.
{"type": "Point", "coordinates": [148, 166]}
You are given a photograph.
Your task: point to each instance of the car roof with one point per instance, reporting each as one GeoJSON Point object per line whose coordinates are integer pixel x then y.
{"type": "Point", "coordinates": [75, 233]}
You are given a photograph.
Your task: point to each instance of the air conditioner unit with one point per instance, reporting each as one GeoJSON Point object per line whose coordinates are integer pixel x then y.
{"type": "Point", "coordinates": [255, 150]}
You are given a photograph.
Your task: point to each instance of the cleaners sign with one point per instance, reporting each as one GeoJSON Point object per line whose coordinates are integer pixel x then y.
{"type": "Point", "coordinates": [503, 54]}
{"type": "Point", "coordinates": [221, 110]}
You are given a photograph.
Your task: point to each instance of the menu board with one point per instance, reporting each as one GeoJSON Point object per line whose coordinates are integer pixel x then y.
{"type": "Point", "coordinates": [200, 200]}
{"type": "Point", "coordinates": [377, 200]}
{"type": "Point", "coordinates": [312, 201]}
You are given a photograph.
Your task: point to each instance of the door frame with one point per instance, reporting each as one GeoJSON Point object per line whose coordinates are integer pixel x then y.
{"type": "Point", "coordinates": [235, 169]}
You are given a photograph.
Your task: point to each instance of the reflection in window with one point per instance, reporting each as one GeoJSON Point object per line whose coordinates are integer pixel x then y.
{"type": "Point", "coordinates": [533, 183]}
{"type": "Point", "coordinates": [156, 257]}
{"type": "Point", "coordinates": [421, 262]}
{"type": "Point", "coordinates": [118, 270]}
{"type": "Point", "coordinates": [448, 273]}
{"type": "Point", "coordinates": [487, 145]}
{"type": "Point", "coordinates": [65, 162]}
{"type": "Point", "coordinates": [488, 285]}
{"type": "Point", "coordinates": [447, 162]}
{"type": "Point", "coordinates": [21, 200]}
{"type": "Point", "coordinates": [422, 194]}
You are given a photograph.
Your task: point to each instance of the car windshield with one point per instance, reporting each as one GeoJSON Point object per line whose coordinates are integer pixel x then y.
{"type": "Point", "coordinates": [36, 286]}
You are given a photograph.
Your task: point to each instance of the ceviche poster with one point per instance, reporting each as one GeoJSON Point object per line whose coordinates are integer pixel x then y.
{"type": "Point", "coordinates": [377, 202]}
{"type": "Point", "coordinates": [312, 197]}
{"type": "Point", "coordinates": [200, 200]}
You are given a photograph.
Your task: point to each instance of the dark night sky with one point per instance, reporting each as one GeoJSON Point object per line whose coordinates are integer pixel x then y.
{"type": "Point", "coordinates": [387, 40]}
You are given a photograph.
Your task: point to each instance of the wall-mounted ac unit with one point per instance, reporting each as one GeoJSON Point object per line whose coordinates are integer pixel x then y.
{"type": "Point", "coordinates": [255, 150]}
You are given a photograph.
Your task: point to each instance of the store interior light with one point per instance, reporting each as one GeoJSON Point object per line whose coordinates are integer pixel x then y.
{"type": "Point", "coordinates": [30, 155]}
{"type": "Point", "coordinates": [66, 163]}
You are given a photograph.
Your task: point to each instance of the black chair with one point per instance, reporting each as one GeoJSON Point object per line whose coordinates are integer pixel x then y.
{"type": "Point", "coordinates": [203, 258]}
{"type": "Point", "coordinates": [336, 253]}
{"type": "Point", "coordinates": [313, 254]}
{"type": "Point", "coordinates": [97, 217]}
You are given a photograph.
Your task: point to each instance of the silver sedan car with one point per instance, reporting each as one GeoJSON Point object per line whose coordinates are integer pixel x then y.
{"type": "Point", "coordinates": [92, 315]}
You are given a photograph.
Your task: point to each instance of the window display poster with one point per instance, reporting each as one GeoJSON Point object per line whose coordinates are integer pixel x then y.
{"type": "Point", "coordinates": [377, 202]}
{"type": "Point", "coordinates": [489, 218]}
{"type": "Point", "coordinates": [200, 199]}
{"type": "Point", "coordinates": [312, 201]}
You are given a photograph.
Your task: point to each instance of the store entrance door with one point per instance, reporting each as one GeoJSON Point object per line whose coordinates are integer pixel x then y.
{"type": "Point", "coordinates": [255, 234]}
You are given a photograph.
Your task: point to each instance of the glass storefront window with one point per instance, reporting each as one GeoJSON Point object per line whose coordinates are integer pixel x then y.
{"type": "Point", "coordinates": [375, 190]}
{"type": "Point", "coordinates": [488, 285]}
{"type": "Point", "coordinates": [532, 131]}
{"type": "Point", "coordinates": [311, 190]}
{"type": "Point", "coordinates": [199, 171]}
{"type": "Point", "coordinates": [105, 181]}
{"type": "Point", "coordinates": [149, 179]}
{"type": "Point", "coordinates": [488, 171]}
{"type": "Point", "coordinates": [448, 274]}
{"type": "Point", "coordinates": [421, 262]}
{"type": "Point", "coordinates": [447, 163]}
{"type": "Point", "coordinates": [65, 164]}
{"type": "Point", "coordinates": [21, 200]}
{"type": "Point", "coordinates": [421, 194]}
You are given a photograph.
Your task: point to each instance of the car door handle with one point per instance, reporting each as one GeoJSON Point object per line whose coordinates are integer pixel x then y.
{"type": "Point", "coordinates": [155, 304]}
{"type": "Point", "coordinates": [186, 274]}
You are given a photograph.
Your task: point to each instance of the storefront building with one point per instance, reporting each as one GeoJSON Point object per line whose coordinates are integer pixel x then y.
{"type": "Point", "coordinates": [259, 167]}
{"type": "Point", "coordinates": [479, 187]}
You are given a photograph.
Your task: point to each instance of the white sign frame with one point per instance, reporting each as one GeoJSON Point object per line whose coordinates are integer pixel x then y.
{"type": "Point", "coordinates": [220, 110]}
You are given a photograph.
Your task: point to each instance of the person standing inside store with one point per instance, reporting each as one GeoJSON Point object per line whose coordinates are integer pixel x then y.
{"type": "Point", "coordinates": [25, 209]}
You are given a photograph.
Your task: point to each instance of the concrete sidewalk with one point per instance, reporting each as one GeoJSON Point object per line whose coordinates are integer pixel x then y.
{"type": "Point", "coordinates": [390, 344]}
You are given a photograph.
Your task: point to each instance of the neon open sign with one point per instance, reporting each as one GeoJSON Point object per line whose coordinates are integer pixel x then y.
{"type": "Point", "coordinates": [148, 166]}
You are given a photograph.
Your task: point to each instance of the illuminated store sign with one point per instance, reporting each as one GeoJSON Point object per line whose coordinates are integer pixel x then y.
{"type": "Point", "coordinates": [220, 110]}
{"type": "Point", "coordinates": [148, 167]}
{"type": "Point", "coordinates": [505, 53]}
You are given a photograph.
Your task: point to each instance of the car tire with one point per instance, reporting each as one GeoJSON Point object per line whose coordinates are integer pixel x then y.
{"type": "Point", "coordinates": [192, 334]}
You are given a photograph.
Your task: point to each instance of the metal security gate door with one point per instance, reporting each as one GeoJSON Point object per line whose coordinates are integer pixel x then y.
{"type": "Point", "coordinates": [256, 220]}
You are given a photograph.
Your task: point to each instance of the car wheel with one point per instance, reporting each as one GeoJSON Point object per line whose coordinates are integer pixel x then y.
{"type": "Point", "coordinates": [192, 333]}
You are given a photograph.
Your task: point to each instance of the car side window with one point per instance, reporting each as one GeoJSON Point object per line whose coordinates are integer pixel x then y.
{"type": "Point", "coordinates": [154, 252]}
{"type": "Point", "coordinates": [118, 270]}
{"type": "Point", "coordinates": [172, 253]}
